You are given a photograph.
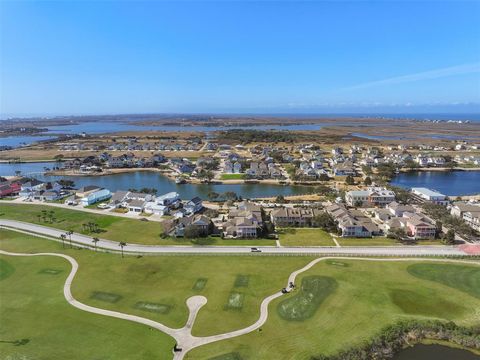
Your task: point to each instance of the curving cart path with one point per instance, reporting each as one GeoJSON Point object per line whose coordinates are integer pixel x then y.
{"type": "Point", "coordinates": [183, 336]}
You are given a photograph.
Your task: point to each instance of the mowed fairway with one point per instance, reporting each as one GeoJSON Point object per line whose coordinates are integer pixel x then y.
{"type": "Point", "coordinates": [158, 286]}
{"type": "Point", "coordinates": [367, 297]}
{"type": "Point", "coordinates": [37, 322]}
{"type": "Point", "coordinates": [304, 237]}
{"type": "Point", "coordinates": [338, 303]}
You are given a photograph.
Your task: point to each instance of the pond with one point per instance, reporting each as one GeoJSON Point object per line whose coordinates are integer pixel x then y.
{"type": "Point", "coordinates": [435, 352]}
{"type": "Point", "coordinates": [450, 183]}
{"type": "Point", "coordinates": [140, 179]}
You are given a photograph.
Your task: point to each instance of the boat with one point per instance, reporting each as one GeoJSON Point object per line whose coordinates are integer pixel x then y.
{"type": "Point", "coordinates": [180, 180]}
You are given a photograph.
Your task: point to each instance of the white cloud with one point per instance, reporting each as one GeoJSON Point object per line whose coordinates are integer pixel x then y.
{"type": "Point", "coordinates": [426, 75]}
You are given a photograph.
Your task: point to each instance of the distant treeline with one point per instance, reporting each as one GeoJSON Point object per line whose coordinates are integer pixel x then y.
{"type": "Point", "coordinates": [272, 136]}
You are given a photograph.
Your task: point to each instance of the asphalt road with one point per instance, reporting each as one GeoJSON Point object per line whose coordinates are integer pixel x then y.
{"type": "Point", "coordinates": [411, 250]}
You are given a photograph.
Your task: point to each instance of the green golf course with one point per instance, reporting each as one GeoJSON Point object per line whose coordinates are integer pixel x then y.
{"type": "Point", "coordinates": [337, 303]}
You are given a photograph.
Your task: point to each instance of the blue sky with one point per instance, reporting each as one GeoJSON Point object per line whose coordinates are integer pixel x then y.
{"type": "Point", "coordinates": [142, 57]}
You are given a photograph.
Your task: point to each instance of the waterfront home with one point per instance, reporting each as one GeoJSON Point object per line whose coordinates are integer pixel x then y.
{"type": "Point", "coordinates": [193, 206]}
{"type": "Point", "coordinates": [9, 188]}
{"type": "Point", "coordinates": [151, 207]}
{"type": "Point", "coordinates": [168, 199]}
{"type": "Point", "coordinates": [432, 196]}
{"type": "Point", "coordinates": [51, 195]}
{"type": "Point", "coordinates": [293, 217]}
{"type": "Point", "coordinates": [421, 160]}
{"type": "Point", "coordinates": [135, 205]}
{"type": "Point", "coordinates": [29, 186]}
{"type": "Point", "coordinates": [115, 162]}
{"type": "Point", "coordinates": [232, 167]}
{"type": "Point", "coordinates": [95, 196]}
{"type": "Point", "coordinates": [86, 190]}
{"type": "Point", "coordinates": [436, 161]}
{"type": "Point", "coordinates": [372, 196]}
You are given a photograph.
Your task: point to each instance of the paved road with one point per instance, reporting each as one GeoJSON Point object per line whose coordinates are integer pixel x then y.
{"type": "Point", "coordinates": [163, 249]}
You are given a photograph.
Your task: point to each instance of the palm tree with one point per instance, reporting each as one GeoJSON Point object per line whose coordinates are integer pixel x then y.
{"type": "Point", "coordinates": [63, 237]}
{"type": "Point", "coordinates": [122, 245]}
{"type": "Point", "coordinates": [95, 240]}
{"type": "Point", "coordinates": [70, 233]}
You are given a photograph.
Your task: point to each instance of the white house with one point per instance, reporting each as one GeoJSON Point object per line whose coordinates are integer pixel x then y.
{"type": "Point", "coordinates": [430, 195]}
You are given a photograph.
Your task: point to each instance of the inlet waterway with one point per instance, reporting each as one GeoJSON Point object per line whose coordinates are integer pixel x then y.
{"type": "Point", "coordinates": [449, 183]}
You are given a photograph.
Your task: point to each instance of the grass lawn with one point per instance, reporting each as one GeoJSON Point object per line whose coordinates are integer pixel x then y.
{"type": "Point", "coordinates": [304, 237]}
{"type": "Point", "coordinates": [375, 241]}
{"type": "Point", "coordinates": [232, 176]}
{"type": "Point", "coordinates": [338, 303]}
{"type": "Point", "coordinates": [218, 241]}
{"type": "Point", "coordinates": [113, 227]}
{"type": "Point", "coordinates": [380, 241]}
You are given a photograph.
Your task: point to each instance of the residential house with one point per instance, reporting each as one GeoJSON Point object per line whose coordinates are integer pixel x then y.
{"type": "Point", "coordinates": [472, 218]}
{"type": "Point", "coordinates": [430, 196]}
{"type": "Point", "coordinates": [459, 209]}
{"type": "Point", "coordinates": [9, 188]}
{"type": "Point", "coordinates": [96, 196]}
{"type": "Point", "coordinates": [193, 206]}
{"type": "Point", "coordinates": [201, 223]}
{"type": "Point", "coordinates": [240, 227]}
{"type": "Point", "coordinates": [372, 196]}
{"type": "Point", "coordinates": [397, 209]}
{"type": "Point", "coordinates": [293, 217]}
{"type": "Point", "coordinates": [419, 227]}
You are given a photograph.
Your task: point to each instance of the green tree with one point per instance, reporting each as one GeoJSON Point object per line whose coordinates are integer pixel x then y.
{"type": "Point", "coordinates": [368, 181]}
{"type": "Point", "coordinates": [122, 245]}
{"type": "Point", "coordinates": [95, 240]}
{"type": "Point", "coordinates": [325, 221]}
{"type": "Point", "coordinates": [349, 180]}
{"type": "Point", "coordinates": [280, 199]}
{"type": "Point", "coordinates": [449, 237]}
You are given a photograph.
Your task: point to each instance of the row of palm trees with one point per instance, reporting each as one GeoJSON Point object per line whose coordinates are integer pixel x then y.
{"type": "Point", "coordinates": [95, 240]}
{"type": "Point", "coordinates": [44, 215]}
{"type": "Point", "coordinates": [90, 226]}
